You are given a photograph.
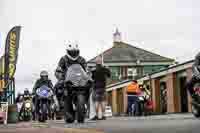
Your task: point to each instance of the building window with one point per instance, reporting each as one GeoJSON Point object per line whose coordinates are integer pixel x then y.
{"type": "Point", "coordinates": [115, 73]}
{"type": "Point", "coordinates": [150, 69]}
{"type": "Point", "coordinates": [131, 72]}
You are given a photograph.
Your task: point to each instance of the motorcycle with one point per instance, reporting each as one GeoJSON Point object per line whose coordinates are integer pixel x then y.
{"type": "Point", "coordinates": [76, 94]}
{"type": "Point", "coordinates": [195, 105]}
{"type": "Point", "coordinates": [140, 105]}
{"type": "Point", "coordinates": [44, 97]}
{"type": "Point", "coordinates": [27, 108]}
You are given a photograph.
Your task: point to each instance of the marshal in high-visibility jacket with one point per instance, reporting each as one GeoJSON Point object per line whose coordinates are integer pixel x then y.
{"type": "Point", "coordinates": [133, 87]}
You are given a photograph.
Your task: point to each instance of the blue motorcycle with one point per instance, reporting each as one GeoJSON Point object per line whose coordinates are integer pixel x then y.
{"type": "Point", "coordinates": [44, 97]}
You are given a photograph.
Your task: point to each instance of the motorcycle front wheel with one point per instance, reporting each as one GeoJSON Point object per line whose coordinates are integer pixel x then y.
{"type": "Point", "coordinates": [43, 114]}
{"type": "Point", "coordinates": [69, 114]}
{"type": "Point", "coordinates": [27, 116]}
{"type": "Point", "coordinates": [81, 110]}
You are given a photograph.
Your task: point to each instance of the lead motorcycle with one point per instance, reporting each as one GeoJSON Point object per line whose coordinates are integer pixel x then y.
{"type": "Point", "coordinates": [76, 93]}
{"type": "Point", "coordinates": [44, 97]}
{"type": "Point", "coordinates": [196, 105]}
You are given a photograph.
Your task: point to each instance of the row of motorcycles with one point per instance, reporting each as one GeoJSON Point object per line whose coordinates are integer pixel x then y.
{"type": "Point", "coordinates": [72, 99]}
{"type": "Point", "coordinates": [47, 104]}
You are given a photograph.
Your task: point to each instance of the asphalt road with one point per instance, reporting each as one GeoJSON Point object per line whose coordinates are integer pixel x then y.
{"type": "Point", "coordinates": [155, 124]}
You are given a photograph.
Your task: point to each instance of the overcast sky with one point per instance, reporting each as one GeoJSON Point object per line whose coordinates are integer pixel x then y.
{"type": "Point", "coordinates": [167, 27]}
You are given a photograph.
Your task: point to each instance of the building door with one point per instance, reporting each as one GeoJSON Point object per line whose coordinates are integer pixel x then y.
{"type": "Point", "coordinates": [184, 96]}
{"type": "Point", "coordinates": [163, 97]}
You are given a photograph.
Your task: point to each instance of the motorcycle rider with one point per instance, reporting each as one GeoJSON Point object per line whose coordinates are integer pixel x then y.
{"type": "Point", "coordinates": [44, 80]}
{"type": "Point", "coordinates": [59, 87]}
{"type": "Point", "coordinates": [19, 97]}
{"type": "Point", "coordinates": [195, 78]}
{"type": "Point", "coordinates": [72, 57]}
{"type": "Point", "coordinates": [19, 101]}
{"type": "Point", "coordinates": [26, 93]}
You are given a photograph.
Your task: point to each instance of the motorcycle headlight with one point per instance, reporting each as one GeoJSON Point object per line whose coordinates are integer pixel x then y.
{"type": "Point", "coordinates": [27, 105]}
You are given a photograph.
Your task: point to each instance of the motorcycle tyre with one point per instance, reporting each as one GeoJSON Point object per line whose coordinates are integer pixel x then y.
{"type": "Point", "coordinates": [81, 111]}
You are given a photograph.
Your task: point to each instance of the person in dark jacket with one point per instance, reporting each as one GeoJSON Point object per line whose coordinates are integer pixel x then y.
{"type": "Point", "coordinates": [72, 57]}
{"type": "Point", "coordinates": [44, 80]}
{"type": "Point", "coordinates": [19, 98]}
{"type": "Point", "coordinates": [99, 75]}
{"type": "Point", "coordinates": [59, 91]}
{"type": "Point", "coordinates": [195, 78]}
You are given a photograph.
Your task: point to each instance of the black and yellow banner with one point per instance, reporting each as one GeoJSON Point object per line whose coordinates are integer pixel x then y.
{"type": "Point", "coordinates": [2, 72]}
{"type": "Point", "coordinates": [11, 52]}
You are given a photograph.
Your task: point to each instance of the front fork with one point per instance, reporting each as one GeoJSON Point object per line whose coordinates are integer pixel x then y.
{"type": "Point", "coordinates": [81, 100]}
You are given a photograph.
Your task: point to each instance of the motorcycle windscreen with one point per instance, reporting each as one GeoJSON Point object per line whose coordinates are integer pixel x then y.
{"type": "Point", "coordinates": [44, 91]}
{"type": "Point", "coordinates": [77, 75]}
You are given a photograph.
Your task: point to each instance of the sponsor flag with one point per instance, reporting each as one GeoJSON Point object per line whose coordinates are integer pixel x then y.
{"type": "Point", "coordinates": [11, 52]}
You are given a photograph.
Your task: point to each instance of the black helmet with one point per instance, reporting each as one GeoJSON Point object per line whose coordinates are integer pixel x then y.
{"type": "Point", "coordinates": [44, 75]}
{"type": "Point", "coordinates": [26, 91]}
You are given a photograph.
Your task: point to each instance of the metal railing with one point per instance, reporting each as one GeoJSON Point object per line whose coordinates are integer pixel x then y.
{"type": "Point", "coordinates": [8, 94]}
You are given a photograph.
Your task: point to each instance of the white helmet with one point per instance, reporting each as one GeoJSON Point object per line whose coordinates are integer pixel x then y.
{"type": "Point", "coordinates": [73, 51]}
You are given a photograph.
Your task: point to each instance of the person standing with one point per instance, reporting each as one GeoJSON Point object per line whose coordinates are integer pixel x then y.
{"type": "Point", "coordinates": [132, 91]}
{"type": "Point", "coordinates": [91, 104]}
{"type": "Point", "coordinates": [99, 75]}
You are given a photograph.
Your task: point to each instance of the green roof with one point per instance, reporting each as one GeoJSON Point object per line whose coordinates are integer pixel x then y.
{"type": "Point", "coordinates": [124, 53]}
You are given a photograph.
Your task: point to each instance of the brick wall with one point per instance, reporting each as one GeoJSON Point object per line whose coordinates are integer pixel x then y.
{"type": "Point", "coordinates": [156, 95]}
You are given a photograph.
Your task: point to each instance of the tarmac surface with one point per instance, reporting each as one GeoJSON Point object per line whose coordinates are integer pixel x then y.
{"type": "Point", "coordinates": [176, 123]}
